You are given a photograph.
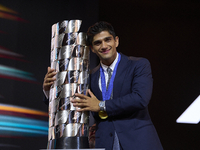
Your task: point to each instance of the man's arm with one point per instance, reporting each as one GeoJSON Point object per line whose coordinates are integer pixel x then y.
{"type": "Point", "coordinates": [137, 99]}
{"type": "Point", "coordinates": [86, 103]}
{"type": "Point", "coordinates": [48, 81]}
{"type": "Point", "coordinates": [140, 95]}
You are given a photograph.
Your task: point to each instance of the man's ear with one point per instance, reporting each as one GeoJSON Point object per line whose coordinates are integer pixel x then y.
{"type": "Point", "coordinates": [116, 41]}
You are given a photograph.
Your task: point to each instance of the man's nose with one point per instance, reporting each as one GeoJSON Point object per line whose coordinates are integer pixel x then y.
{"type": "Point", "coordinates": [104, 45]}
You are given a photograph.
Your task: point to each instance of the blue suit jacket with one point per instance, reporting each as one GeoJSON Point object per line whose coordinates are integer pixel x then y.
{"type": "Point", "coordinates": [128, 110]}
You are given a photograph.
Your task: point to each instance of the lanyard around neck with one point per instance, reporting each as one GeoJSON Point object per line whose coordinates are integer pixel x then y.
{"type": "Point", "coordinates": [107, 93]}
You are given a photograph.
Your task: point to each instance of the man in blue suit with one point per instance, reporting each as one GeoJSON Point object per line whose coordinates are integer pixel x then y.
{"type": "Point", "coordinates": [121, 89]}
{"type": "Point", "coordinates": [120, 108]}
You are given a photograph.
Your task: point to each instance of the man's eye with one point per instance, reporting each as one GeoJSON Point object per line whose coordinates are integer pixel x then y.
{"type": "Point", "coordinates": [108, 39]}
{"type": "Point", "coordinates": [97, 43]}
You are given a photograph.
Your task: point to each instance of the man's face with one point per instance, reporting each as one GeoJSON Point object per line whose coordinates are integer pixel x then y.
{"type": "Point", "coordinates": [104, 45]}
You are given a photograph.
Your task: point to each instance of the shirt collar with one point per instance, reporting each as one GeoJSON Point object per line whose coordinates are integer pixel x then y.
{"type": "Point", "coordinates": [112, 66]}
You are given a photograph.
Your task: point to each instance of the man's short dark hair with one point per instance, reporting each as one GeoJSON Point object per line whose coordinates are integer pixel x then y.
{"type": "Point", "coordinates": [97, 28]}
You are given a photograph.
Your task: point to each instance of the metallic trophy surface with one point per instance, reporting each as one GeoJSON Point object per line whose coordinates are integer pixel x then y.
{"type": "Point", "coordinates": [68, 128]}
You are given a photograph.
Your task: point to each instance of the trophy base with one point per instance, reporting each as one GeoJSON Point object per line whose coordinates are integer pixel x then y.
{"type": "Point", "coordinates": [68, 143]}
{"type": "Point", "coordinates": [78, 149]}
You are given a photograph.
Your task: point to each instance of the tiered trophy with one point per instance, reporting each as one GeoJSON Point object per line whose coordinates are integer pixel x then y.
{"type": "Point", "coordinates": [68, 128]}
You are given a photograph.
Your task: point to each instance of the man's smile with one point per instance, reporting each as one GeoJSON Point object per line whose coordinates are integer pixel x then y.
{"type": "Point", "coordinates": [105, 51]}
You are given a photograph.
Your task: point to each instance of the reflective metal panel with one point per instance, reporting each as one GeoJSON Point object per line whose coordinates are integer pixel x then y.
{"type": "Point", "coordinates": [70, 59]}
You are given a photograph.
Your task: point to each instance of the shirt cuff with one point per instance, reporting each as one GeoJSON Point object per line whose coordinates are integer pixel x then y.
{"type": "Point", "coordinates": [46, 93]}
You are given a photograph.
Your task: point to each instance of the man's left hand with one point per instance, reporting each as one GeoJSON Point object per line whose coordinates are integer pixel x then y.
{"type": "Point", "coordinates": [86, 103]}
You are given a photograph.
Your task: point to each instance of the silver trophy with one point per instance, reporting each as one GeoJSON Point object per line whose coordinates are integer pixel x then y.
{"type": "Point", "coordinates": [68, 128]}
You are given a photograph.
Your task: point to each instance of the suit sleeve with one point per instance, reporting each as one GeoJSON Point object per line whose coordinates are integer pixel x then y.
{"type": "Point", "coordinates": [141, 84]}
{"type": "Point", "coordinates": [45, 100]}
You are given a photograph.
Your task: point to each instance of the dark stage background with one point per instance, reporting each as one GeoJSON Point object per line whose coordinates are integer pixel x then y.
{"type": "Point", "coordinates": [25, 40]}
{"type": "Point", "coordinates": [165, 32]}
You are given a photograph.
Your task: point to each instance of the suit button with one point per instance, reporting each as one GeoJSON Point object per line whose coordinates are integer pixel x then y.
{"type": "Point", "coordinates": [111, 134]}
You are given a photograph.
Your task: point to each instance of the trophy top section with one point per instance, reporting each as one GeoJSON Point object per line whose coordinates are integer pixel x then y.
{"type": "Point", "coordinates": [66, 26]}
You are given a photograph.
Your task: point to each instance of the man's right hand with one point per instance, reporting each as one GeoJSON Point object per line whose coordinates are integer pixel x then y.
{"type": "Point", "coordinates": [49, 79]}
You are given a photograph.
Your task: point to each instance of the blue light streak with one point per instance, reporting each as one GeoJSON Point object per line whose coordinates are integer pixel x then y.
{"type": "Point", "coordinates": [22, 120]}
{"type": "Point", "coordinates": [6, 130]}
{"type": "Point", "coordinates": [17, 126]}
{"type": "Point", "coordinates": [9, 71]}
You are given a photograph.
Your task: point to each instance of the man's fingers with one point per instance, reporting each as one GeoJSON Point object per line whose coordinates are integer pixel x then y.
{"type": "Point", "coordinates": [91, 94]}
{"type": "Point", "coordinates": [49, 83]}
{"type": "Point", "coordinates": [80, 101]}
{"type": "Point", "coordinates": [79, 105]}
{"type": "Point", "coordinates": [50, 80]}
{"type": "Point", "coordinates": [50, 75]}
{"type": "Point", "coordinates": [81, 96]}
{"type": "Point", "coordinates": [48, 69]}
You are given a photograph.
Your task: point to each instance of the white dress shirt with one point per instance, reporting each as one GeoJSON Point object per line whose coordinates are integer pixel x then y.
{"type": "Point", "coordinates": [112, 66]}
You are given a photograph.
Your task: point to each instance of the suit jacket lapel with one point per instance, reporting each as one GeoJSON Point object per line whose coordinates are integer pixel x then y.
{"type": "Point", "coordinates": [120, 76]}
{"type": "Point", "coordinates": [118, 82]}
{"type": "Point", "coordinates": [95, 83]}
